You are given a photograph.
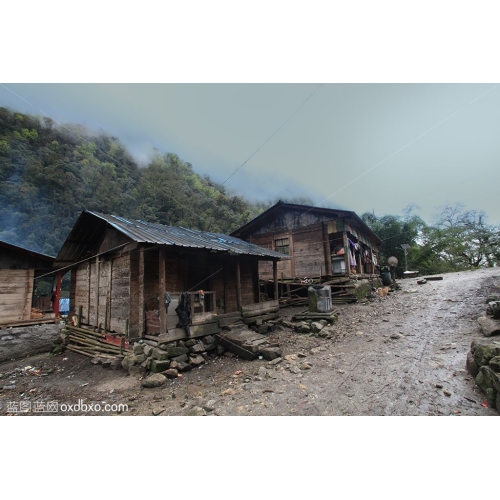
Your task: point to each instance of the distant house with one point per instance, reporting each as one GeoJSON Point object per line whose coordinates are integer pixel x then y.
{"type": "Point", "coordinates": [125, 273]}
{"type": "Point", "coordinates": [19, 268]}
{"type": "Point", "coordinates": [321, 242]}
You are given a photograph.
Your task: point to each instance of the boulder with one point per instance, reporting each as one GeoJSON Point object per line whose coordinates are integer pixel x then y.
{"type": "Point", "coordinates": [489, 326]}
{"type": "Point", "coordinates": [154, 380]}
{"type": "Point", "coordinates": [158, 365]}
{"type": "Point", "coordinates": [270, 353]}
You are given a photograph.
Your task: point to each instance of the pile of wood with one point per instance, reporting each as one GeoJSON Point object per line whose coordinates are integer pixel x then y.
{"type": "Point", "coordinates": [342, 292]}
{"type": "Point", "coordinates": [262, 311]}
{"type": "Point", "coordinates": [90, 343]}
{"type": "Point", "coordinates": [36, 313]}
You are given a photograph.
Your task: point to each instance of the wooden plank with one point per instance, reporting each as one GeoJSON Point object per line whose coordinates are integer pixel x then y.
{"type": "Point", "coordinates": [266, 317]}
{"type": "Point", "coordinates": [260, 306]}
{"type": "Point", "coordinates": [162, 289]}
{"type": "Point", "coordinates": [238, 285]}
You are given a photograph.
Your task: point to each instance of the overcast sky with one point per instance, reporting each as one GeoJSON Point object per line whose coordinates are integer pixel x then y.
{"type": "Point", "coordinates": [367, 146]}
{"type": "Point", "coordinates": [363, 147]}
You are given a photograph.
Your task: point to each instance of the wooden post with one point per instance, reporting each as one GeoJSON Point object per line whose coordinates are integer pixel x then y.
{"type": "Point", "coordinates": [326, 249]}
{"type": "Point", "coordinates": [141, 320]}
{"type": "Point", "coordinates": [346, 250]}
{"type": "Point", "coordinates": [58, 295]}
{"type": "Point", "coordinates": [97, 291]}
{"type": "Point", "coordinates": [162, 290]}
{"type": "Point", "coordinates": [79, 320]}
{"type": "Point", "coordinates": [275, 277]}
{"type": "Point", "coordinates": [238, 285]}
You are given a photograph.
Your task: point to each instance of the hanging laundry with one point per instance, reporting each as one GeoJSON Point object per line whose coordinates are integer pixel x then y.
{"type": "Point", "coordinates": [183, 310]}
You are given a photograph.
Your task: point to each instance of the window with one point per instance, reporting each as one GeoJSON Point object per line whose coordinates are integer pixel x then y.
{"type": "Point", "coordinates": [282, 245]}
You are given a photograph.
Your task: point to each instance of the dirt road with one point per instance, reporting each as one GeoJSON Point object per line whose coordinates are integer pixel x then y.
{"type": "Point", "coordinates": [402, 355]}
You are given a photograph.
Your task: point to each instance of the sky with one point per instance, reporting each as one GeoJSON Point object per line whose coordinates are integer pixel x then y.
{"type": "Point", "coordinates": [366, 108]}
{"type": "Point", "coordinates": [361, 147]}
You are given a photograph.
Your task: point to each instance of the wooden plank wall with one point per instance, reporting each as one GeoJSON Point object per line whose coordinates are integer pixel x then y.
{"type": "Point", "coordinates": [120, 293]}
{"type": "Point", "coordinates": [16, 294]}
{"type": "Point", "coordinates": [82, 280]}
{"type": "Point", "coordinates": [135, 325]}
{"type": "Point", "coordinates": [309, 251]}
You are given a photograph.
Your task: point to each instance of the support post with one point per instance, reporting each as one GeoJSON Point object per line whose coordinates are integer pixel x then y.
{"type": "Point", "coordinates": [346, 254]}
{"type": "Point", "coordinates": [97, 291]}
{"type": "Point", "coordinates": [238, 285]}
{"type": "Point", "coordinates": [79, 320]}
{"type": "Point", "coordinates": [326, 249]}
{"type": "Point", "coordinates": [275, 278]}
{"type": "Point", "coordinates": [162, 290]}
{"type": "Point", "coordinates": [142, 328]}
{"type": "Point", "coordinates": [57, 295]}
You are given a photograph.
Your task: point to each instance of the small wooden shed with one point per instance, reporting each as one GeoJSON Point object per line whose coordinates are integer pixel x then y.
{"type": "Point", "coordinates": [321, 242]}
{"type": "Point", "coordinates": [129, 276]}
{"type": "Point", "coordinates": [19, 268]}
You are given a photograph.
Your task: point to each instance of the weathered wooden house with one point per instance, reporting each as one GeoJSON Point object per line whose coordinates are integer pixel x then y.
{"type": "Point", "coordinates": [129, 277]}
{"type": "Point", "coordinates": [321, 242]}
{"type": "Point", "coordinates": [19, 268]}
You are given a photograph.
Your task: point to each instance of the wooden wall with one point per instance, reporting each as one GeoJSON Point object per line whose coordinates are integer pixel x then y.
{"type": "Point", "coordinates": [125, 288]}
{"type": "Point", "coordinates": [309, 251]}
{"type": "Point", "coordinates": [16, 293]}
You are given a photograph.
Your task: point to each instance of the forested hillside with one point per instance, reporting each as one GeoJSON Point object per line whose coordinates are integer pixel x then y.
{"type": "Point", "coordinates": [49, 174]}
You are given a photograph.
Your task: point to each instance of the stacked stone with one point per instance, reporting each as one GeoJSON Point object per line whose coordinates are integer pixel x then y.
{"type": "Point", "coordinates": [321, 328]}
{"type": "Point", "coordinates": [483, 363]}
{"type": "Point", "coordinates": [170, 358]}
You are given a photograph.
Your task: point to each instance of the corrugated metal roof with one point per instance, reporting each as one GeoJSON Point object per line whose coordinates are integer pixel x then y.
{"type": "Point", "coordinates": [147, 232]}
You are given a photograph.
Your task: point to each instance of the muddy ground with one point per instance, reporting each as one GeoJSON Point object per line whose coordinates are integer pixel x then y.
{"type": "Point", "coordinates": [402, 355]}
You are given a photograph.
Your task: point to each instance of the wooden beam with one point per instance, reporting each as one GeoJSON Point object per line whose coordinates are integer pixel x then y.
{"type": "Point", "coordinates": [161, 290]}
{"type": "Point", "coordinates": [141, 320]}
{"type": "Point", "coordinates": [238, 285]}
{"type": "Point", "coordinates": [326, 247]}
{"type": "Point", "coordinates": [97, 291]}
{"type": "Point", "coordinates": [58, 295]}
{"type": "Point", "coordinates": [275, 277]}
{"type": "Point", "coordinates": [346, 249]}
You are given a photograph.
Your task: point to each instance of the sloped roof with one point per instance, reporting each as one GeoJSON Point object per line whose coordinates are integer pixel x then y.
{"type": "Point", "coordinates": [91, 224]}
{"type": "Point", "coordinates": [258, 221]}
{"type": "Point", "coordinates": [27, 252]}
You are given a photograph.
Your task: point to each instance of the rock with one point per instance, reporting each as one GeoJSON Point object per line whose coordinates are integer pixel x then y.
{"type": "Point", "coordinates": [196, 360]}
{"type": "Point", "coordinates": [209, 405]}
{"type": "Point", "coordinates": [159, 354]}
{"type": "Point", "coordinates": [182, 358]}
{"type": "Point", "coordinates": [148, 350]}
{"type": "Point", "coordinates": [97, 360]}
{"type": "Point", "coordinates": [127, 362]}
{"type": "Point", "coordinates": [137, 349]}
{"type": "Point", "coordinates": [484, 352]}
{"type": "Point", "coordinates": [270, 353]}
{"type": "Point", "coordinates": [447, 393]}
{"type": "Point", "coordinates": [276, 361]}
{"type": "Point", "coordinates": [471, 365]}
{"type": "Point", "coordinates": [396, 336]}
{"type": "Point", "coordinates": [198, 348]}
{"type": "Point", "coordinates": [195, 411]}
{"type": "Point", "coordinates": [494, 363]}
{"type": "Point", "coordinates": [157, 411]}
{"type": "Point", "coordinates": [262, 371]}
{"type": "Point", "coordinates": [154, 380]}
{"type": "Point", "coordinates": [316, 327]}
{"type": "Point", "coordinates": [171, 373]}
{"type": "Point", "coordinates": [158, 366]}
{"type": "Point", "coordinates": [489, 326]}
{"type": "Point", "coordinates": [176, 351]}
{"type": "Point", "coordinates": [208, 340]}
{"type": "Point", "coordinates": [116, 364]}
{"type": "Point", "coordinates": [489, 382]}
{"type": "Point", "coordinates": [183, 367]}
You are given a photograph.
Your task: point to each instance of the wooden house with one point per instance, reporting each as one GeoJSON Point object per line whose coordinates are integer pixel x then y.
{"type": "Point", "coordinates": [321, 242]}
{"type": "Point", "coordinates": [125, 273]}
{"type": "Point", "coordinates": [19, 268]}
